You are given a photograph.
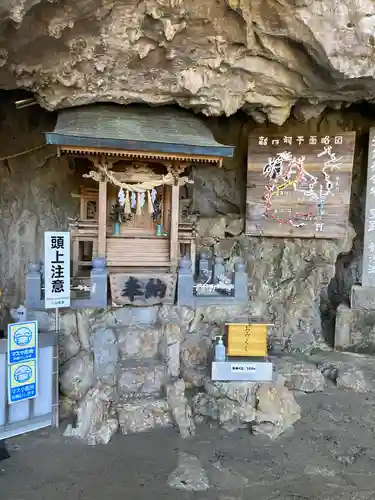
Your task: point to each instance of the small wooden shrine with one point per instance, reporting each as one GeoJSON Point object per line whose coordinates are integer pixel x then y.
{"type": "Point", "coordinates": [130, 210]}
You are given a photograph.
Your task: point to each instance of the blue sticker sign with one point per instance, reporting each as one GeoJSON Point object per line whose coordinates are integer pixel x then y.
{"type": "Point", "coordinates": [22, 381]}
{"type": "Point", "coordinates": [22, 342]}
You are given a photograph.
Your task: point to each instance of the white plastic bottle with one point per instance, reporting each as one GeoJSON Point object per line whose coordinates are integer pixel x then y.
{"type": "Point", "coordinates": [220, 351]}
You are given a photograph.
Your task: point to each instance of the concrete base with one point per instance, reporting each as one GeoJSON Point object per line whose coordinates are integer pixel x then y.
{"type": "Point", "coordinates": [244, 371]}
{"type": "Point", "coordinates": [355, 329]}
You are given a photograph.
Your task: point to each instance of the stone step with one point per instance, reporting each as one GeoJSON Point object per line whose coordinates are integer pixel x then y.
{"type": "Point", "coordinates": [141, 378]}
{"type": "Point", "coordinates": [143, 414]}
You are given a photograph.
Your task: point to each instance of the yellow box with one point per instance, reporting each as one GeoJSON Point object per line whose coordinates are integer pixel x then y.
{"type": "Point", "coordinates": [247, 340]}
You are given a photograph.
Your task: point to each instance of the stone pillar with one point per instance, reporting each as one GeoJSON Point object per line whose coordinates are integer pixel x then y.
{"type": "Point", "coordinates": [355, 326]}
{"type": "Point", "coordinates": [99, 283]}
{"type": "Point", "coordinates": [204, 263]}
{"type": "Point", "coordinates": [185, 283]}
{"type": "Point", "coordinates": [240, 281]}
{"type": "Point", "coordinates": [33, 286]}
{"type": "Point", "coordinates": [363, 297]}
{"type": "Point", "coordinates": [219, 268]}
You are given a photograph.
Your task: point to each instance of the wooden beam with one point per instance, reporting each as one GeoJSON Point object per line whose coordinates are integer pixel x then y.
{"type": "Point", "coordinates": [149, 156]}
{"type": "Point", "coordinates": [174, 226]}
{"type": "Point", "coordinates": [102, 217]}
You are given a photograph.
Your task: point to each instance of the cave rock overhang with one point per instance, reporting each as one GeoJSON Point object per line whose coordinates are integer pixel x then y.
{"type": "Point", "coordinates": [136, 131]}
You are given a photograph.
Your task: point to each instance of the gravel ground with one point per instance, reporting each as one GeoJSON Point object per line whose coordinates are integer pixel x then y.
{"type": "Point", "coordinates": [329, 455]}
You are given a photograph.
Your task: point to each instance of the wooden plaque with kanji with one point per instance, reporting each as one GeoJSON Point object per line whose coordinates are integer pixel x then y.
{"type": "Point", "coordinates": [299, 186]}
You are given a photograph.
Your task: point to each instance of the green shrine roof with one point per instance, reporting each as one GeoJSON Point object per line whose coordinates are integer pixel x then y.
{"type": "Point", "coordinates": [136, 127]}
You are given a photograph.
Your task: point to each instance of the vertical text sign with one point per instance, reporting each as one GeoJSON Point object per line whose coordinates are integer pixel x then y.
{"type": "Point", "coordinates": [368, 266]}
{"type": "Point", "coordinates": [22, 361]}
{"type": "Point", "coordinates": [56, 269]}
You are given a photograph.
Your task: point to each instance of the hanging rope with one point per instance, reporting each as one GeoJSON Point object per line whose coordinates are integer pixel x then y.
{"type": "Point", "coordinates": [142, 187]}
{"type": "Point", "coordinates": [137, 195]}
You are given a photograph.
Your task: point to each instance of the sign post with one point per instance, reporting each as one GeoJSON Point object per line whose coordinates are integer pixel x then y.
{"type": "Point", "coordinates": [56, 275]}
{"type": "Point", "coordinates": [22, 361]}
{"type": "Point", "coordinates": [56, 269]}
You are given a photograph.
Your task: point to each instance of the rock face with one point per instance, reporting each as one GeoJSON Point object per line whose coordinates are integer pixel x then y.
{"type": "Point", "coordinates": [189, 474]}
{"type": "Point", "coordinates": [264, 408]}
{"type": "Point", "coordinates": [295, 284]}
{"type": "Point", "coordinates": [213, 56]}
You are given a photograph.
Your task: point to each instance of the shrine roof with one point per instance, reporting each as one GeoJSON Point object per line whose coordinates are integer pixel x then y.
{"type": "Point", "coordinates": [136, 128]}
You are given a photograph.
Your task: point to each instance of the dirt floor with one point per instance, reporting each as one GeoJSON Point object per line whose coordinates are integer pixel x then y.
{"type": "Point", "coordinates": [329, 455]}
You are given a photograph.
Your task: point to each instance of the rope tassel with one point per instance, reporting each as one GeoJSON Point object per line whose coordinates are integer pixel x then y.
{"type": "Point", "coordinates": [138, 207]}
{"type": "Point", "coordinates": [150, 205]}
{"type": "Point", "coordinates": [127, 208]}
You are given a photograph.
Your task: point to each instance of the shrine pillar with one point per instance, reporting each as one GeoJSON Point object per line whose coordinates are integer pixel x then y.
{"type": "Point", "coordinates": [102, 218]}
{"type": "Point", "coordinates": [174, 225]}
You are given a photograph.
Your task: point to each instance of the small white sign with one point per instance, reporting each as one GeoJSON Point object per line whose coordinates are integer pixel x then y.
{"type": "Point", "coordinates": [242, 368]}
{"type": "Point", "coordinates": [56, 269]}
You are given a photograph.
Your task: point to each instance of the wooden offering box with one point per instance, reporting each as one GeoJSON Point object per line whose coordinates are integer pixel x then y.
{"type": "Point", "coordinates": [247, 340]}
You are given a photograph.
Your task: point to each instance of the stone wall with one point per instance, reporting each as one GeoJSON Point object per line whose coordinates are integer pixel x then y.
{"type": "Point", "coordinates": [134, 369]}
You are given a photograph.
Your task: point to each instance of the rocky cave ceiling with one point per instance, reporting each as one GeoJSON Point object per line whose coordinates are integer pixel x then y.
{"type": "Point", "coordinates": [265, 57]}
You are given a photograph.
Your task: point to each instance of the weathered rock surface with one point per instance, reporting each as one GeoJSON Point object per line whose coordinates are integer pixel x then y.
{"type": "Point", "coordinates": [265, 408]}
{"type": "Point", "coordinates": [106, 355]}
{"type": "Point", "coordinates": [349, 371]}
{"type": "Point", "coordinates": [277, 409]}
{"type": "Point", "coordinates": [281, 283]}
{"type": "Point", "coordinates": [69, 344]}
{"type": "Point", "coordinates": [96, 422]}
{"type": "Point", "coordinates": [137, 341]}
{"type": "Point", "coordinates": [180, 409]}
{"type": "Point", "coordinates": [300, 375]}
{"type": "Point", "coordinates": [144, 378]}
{"type": "Point", "coordinates": [143, 414]}
{"type": "Point", "coordinates": [216, 56]}
{"type": "Point", "coordinates": [189, 474]}
{"type": "Point", "coordinates": [77, 376]}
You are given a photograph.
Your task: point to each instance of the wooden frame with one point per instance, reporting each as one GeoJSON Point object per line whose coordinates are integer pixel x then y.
{"type": "Point", "coordinates": [134, 247]}
{"type": "Point", "coordinates": [299, 186]}
{"type": "Point", "coordinates": [86, 196]}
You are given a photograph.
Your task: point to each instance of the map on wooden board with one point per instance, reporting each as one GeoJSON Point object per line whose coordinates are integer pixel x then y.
{"type": "Point", "coordinates": [299, 186]}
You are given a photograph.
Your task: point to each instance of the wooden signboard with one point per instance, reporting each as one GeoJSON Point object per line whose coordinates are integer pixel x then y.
{"type": "Point", "coordinates": [299, 186]}
{"type": "Point", "coordinates": [142, 289]}
{"type": "Point", "coordinates": [247, 340]}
